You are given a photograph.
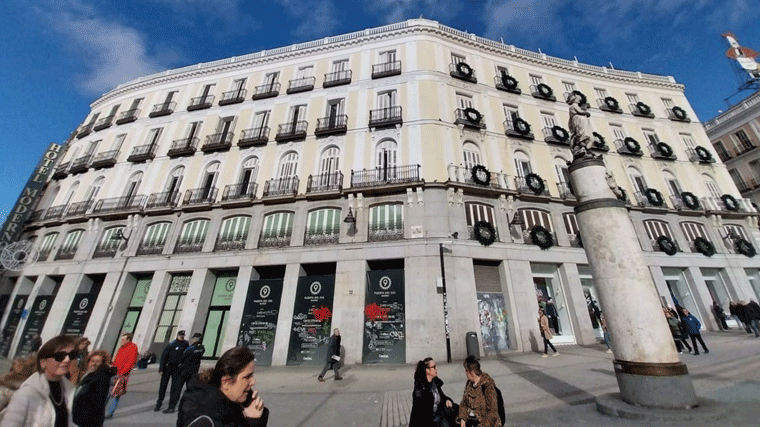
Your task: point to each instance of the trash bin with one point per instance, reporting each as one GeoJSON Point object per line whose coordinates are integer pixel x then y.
{"type": "Point", "coordinates": [473, 348]}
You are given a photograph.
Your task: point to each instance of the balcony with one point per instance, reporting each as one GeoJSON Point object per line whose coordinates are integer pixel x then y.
{"type": "Point", "coordinates": [166, 200]}
{"type": "Point", "coordinates": [103, 123]}
{"type": "Point", "coordinates": [661, 151]}
{"type": "Point", "coordinates": [650, 198]}
{"type": "Point", "coordinates": [469, 117]}
{"type": "Point", "coordinates": [106, 249]}
{"type": "Point", "coordinates": [383, 117]}
{"type": "Point", "coordinates": [575, 240]}
{"type": "Point", "coordinates": [183, 147]}
{"type": "Point", "coordinates": [304, 84]}
{"type": "Point", "coordinates": [266, 91]}
{"type": "Point", "coordinates": [243, 192]}
{"type": "Point", "coordinates": [201, 103]}
{"type": "Point", "coordinates": [325, 182]}
{"type": "Point", "coordinates": [281, 187]}
{"type": "Point", "coordinates": [556, 135]}
{"type": "Point", "coordinates": [379, 177]}
{"type": "Point", "coordinates": [291, 131]}
{"type": "Point", "coordinates": [61, 171]}
{"type": "Point", "coordinates": [54, 213]}
{"type": "Point", "coordinates": [120, 205]}
{"type": "Point", "coordinates": [700, 154]}
{"type": "Point", "coordinates": [464, 174]}
{"type": "Point", "coordinates": [151, 248]}
{"type": "Point", "coordinates": [105, 159]}
{"type": "Point", "coordinates": [529, 241]}
{"type": "Point", "coordinates": [80, 165]}
{"type": "Point", "coordinates": [221, 141]}
{"type": "Point", "coordinates": [542, 91]}
{"type": "Point", "coordinates": [471, 233]}
{"type": "Point", "coordinates": [163, 109]}
{"type": "Point", "coordinates": [332, 125]}
{"type": "Point", "coordinates": [233, 97]}
{"type": "Point", "coordinates": [36, 216]}
{"type": "Point", "coordinates": [609, 104]}
{"type": "Point", "coordinates": [128, 116]}
{"type": "Point", "coordinates": [66, 252]}
{"type": "Point", "coordinates": [79, 209]}
{"type": "Point", "coordinates": [232, 243]}
{"type": "Point", "coordinates": [200, 196]}
{"type": "Point", "coordinates": [640, 109]}
{"type": "Point", "coordinates": [628, 146]}
{"type": "Point", "coordinates": [385, 232]}
{"type": "Point", "coordinates": [656, 246]}
{"type": "Point", "coordinates": [531, 185]}
{"type": "Point", "coordinates": [386, 69]}
{"type": "Point", "coordinates": [275, 240]}
{"type": "Point", "coordinates": [84, 131]}
{"type": "Point", "coordinates": [565, 191]}
{"type": "Point", "coordinates": [462, 71]}
{"type": "Point", "coordinates": [319, 236]}
{"type": "Point", "coordinates": [189, 245]}
{"type": "Point", "coordinates": [254, 137]}
{"type": "Point", "coordinates": [678, 114]}
{"type": "Point", "coordinates": [337, 78]}
{"type": "Point", "coordinates": [142, 153]}
{"type": "Point", "coordinates": [507, 83]}
{"type": "Point", "coordinates": [518, 128]}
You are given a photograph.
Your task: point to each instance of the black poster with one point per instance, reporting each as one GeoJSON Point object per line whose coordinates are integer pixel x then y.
{"type": "Point", "coordinates": [260, 318]}
{"type": "Point", "coordinates": [14, 317]}
{"type": "Point", "coordinates": [384, 336]}
{"type": "Point", "coordinates": [34, 323]}
{"type": "Point", "coordinates": [79, 314]}
{"type": "Point", "coordinates": [312, 317]}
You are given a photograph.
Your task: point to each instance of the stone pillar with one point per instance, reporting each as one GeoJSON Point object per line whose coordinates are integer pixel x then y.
{"type": "Point", "coordinates": [647, 367]}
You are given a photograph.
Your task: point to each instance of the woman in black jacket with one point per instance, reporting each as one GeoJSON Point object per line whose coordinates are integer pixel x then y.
{"type": "Point", "coordinates": [222, 396]}
{"type": "Point", "coordinates": [430, 405]}
{"type": "Point", "coordinates": [89, 406]}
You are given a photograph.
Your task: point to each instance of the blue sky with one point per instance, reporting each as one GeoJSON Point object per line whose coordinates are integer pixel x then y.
{"type": "Point", "coordinates": [57, 56]}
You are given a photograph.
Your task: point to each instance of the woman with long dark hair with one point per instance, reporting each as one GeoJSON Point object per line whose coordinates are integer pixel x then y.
{"type": "Point", "coordinates": [430, 405]}
{"type": "Point", "coordinates": [223, 396]}
{"type": "Point", "coordinates": [89, 409]}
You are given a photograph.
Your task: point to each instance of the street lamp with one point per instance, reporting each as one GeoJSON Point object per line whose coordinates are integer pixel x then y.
{"type": "Point", "coordinates": [445, 299]}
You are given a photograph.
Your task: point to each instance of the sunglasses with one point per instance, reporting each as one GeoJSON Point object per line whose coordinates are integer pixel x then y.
{"type": "Point", "coordinates": [433, 367]}
{"type": "Point", "coordinates": [59, 356]}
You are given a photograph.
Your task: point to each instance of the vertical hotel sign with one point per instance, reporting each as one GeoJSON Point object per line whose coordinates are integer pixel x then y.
{"type": "Point", "coordinates": [32, 191]}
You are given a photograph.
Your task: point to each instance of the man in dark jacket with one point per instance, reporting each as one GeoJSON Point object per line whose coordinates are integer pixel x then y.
{"type": "Point", "coordinates": [752, 312]}
{"type": "Point", "coordinates": [333, 356]}
{"type": "Point", "coordinates": [693, 325]}
{"type": "Point", "coordinates": [188, 366]}
{"type": "Point", "coordinates": [169, 368]}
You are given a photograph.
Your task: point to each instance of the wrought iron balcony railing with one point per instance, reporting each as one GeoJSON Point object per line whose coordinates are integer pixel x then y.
{"type": "Point", "coordinates": [66, 252]}
{"type": "Point", "coordinates": [163, 109]}
{"type": "Point", "coordinates": [61, 171]}
{"type": "Point", "coordinates": [278, 240]}
{"type": "Point", "coordinates": [36, 215]}
{"type": "Point", "coordinates": [233, 97]}
{"type": "Point", "coordinates": [575, 240]}
{"type": "Point", "coordinates": [291, 131]}
{"type": "Point", "coordinates": [532, 186]}
{"type": "Point", "coordinates": [529, 241]}
{"type": "Point", "coordinates": [189, 245]}
{"type": "Point", "coordinates": [385, 176]}
{"type": "Point", "coordinates": [230, 243]}
{"type": "Point", "coordinates": [287, 186]}
{"type": "Point", "coordinates": [142, 153]}
{"type": "Point", "coordinates": [201, 103]}
{"type": "Point", "coordinates": [79, 208]}
{"type": "Point", "coordinates": [386, 69]}
{"type": "Point", "coordinates": [700, 155]}
{"type": "Point", "coordinates": [320, 236]}
{"type": "Point", "coordinates": [542, 91]}
{"type": "Point", "coordinates": [243, 191]}
{"type": "Point", "coordinates": [337, 78]}
{"type": "Point", "coordinates": [502, 82]}
{"type": "Point", "coordinates": [389, 116]}
{"type": "Point", "coordinates": [253, 137]}
{"type": "Point", "coordinates": [166, 199]}
{"type": "Point", "coordinates": [151, 248]}
{"type": "Point", "coordinates": [518, 128]}
{"type": "Point", "coordinates": [301, 85]}
{"type": "Point", "coordinates": [119, 204]}
{"type": "Point", "coordinates": [463, 174]}
{"type": "Point", "coordinates": [106, 250]}
{"type": "Point", "coordinates": [128, 116]}
{"type": "Point", "coordinates": [81, 164]}
{"type": "Point", "coordinates": [266, 91]}
{"type": "Point", "coordinates": [183, 147]}
{"type": "Point", "coordinates": [55, 212]}
{"type": "Point", "coordinates": [198, 196]}
{"type": "Point", "coordinates": [103, 123]}
{"type": "Point", "coordinates": [84, 131]}
{"type": "Point", "coordinates": [474, 119]}
{"type": "Point", "coordinates": [332, 181]}
{"type": "Point", "coordinates": [462, 71]}
{"type": "Point", "coordinates": [565, 190]}
{"type": "Point", "coordinates": [384, 232]}
{"type": "Point", "coordinates": [105, 159]}
{"type": "Point", "coordinates": [471, 233]}
{"type": "Point", "coordinates": [218, 142]}
{"type": "Point", "coordinates": [332, 125]}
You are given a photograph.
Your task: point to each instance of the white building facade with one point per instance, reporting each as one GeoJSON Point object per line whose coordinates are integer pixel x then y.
{"type": "Point", "coordinates": [212, 198]}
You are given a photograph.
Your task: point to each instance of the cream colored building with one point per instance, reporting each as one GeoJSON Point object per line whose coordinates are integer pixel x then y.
{"type": "Point", "coordinates": [182, 188]}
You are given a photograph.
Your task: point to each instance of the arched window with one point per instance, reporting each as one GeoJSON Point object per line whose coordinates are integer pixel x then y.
{"type": "Point", "coordinates": [278, 227]}
{"type": "Point", "coordinates": [563, 178]}
{"type": "Point", "coordinates": [656, 228]}
{"type": "Point", "coordinates": [673, 186]}
{"type": "Point", "coordinates": [233, 233]}
{"type": "Point", "coordinates": [475, 212]}
{"type": "Point", "coordinates": [109, 243]}
{"type": "Point", "coordinates": [192, 236]}
{"type": "Point", "coordinates": [471, 155]}
{"type": "Point", "coordinates": [208, 185]}
{"type": "Point", "coordinates": [175, 180]}
{"type": "Point", "coordinates": [571, 227]}
{"type": "Point", "coordinates": [288, 165]}
{"type": "Point", "coordinates": [94, 189]}
{"type": "Point", "coordinates": [534, 217]}
{"type": "Point", "coordinates": [732, 232]}
{"type": "Point", "coordinates": [154, 240]}
{"type": "Point", "coordinates": [46, 246]}
{"type": "Point", "coordinates": [639, 184]}
{"type": "Point", "coordinates": [712, 186]}
{"type": "Point", "coordinates": [330, 160]}
{"type": "Point", "coordinates": [130, 190]}
{"type": "Point", "coordinates": [386, 222]}
{"type": "Point", "coordinates": [70, 194]}
{"type": "Point", "coordinates": [70, 244]}
{"type": "Point", "coordinates": [386, 154]}
{"type": "Point", "coordinates": [323, 226]}
{"type": "Point", "coordinates": [522, 164]}
{"type": "Point", "coordinates": [692, 230]}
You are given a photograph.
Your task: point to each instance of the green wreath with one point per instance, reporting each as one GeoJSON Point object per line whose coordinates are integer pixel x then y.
{"type": "Point", "coordinates": [480, 175]}
{"type": "Point", "coordinates": [522, 127]}
{"type": "Point", "coordinates": [541, 237]}
{"type": "Point", "coordinates": [535, 183]}
{"type": "Point", "coordinates": [560, 133]}
{"type": "Point", "coordinates": [745, 248]}
{"type": "Point", "coordinates": [485, 233]}
{"type": "Point", "coordinates": [664, 149]}
{"type": "Point", "coordinates": [730, 202]}
{"type": "Point", "coordinates": [612, 103]}
{"type": "Point", "coordinates": [544, 90]}
{"type": "Point", "coordinates": [464, 69]}
{"type": "Point", "coordinates": [509, 82]}
{"type": "Point", "coordinates": [632, 145]}
{"type": "Point", "coordinates": [581, 95]}
{"type": "Point", "coordinates": [472, 115]}
{"type": "Point", "coordinates": [703, 154]}
{"type": "Point", "coordinates": [644, 108]}
{"type": "Point", "coordinates": [679, 113]}
{"type": "Point", "coordinates": [667, 245]}
{"type": "Point", "coordinates": [599, 141]}
{"type": "Point", "coordinates": [704, 246]}
{"type": "Point", "coordinates": [690, 200]}
{"type": "Point", "coordinates": [654, 197]}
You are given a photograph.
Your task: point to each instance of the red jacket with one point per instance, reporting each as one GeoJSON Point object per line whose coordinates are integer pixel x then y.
{"type": "Point", "coordinates": [126, 358]}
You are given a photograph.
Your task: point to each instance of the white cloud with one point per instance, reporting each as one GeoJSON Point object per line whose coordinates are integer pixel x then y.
{"type": "Point", "coordinates": [316, 18]}
{"type": "Point", "coordinates": [400, 10]}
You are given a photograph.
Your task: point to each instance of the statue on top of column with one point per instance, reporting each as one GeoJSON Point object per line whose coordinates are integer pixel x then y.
{"type": "Point", "coordinates": [581, 134]}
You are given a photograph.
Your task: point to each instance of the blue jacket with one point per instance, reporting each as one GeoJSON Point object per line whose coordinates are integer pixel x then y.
{"type": "Point", "coordinates": [692, 324]}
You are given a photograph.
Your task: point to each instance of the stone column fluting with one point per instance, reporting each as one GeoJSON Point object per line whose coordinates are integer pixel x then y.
{"type": "Point", "coordinates": [647, 367]}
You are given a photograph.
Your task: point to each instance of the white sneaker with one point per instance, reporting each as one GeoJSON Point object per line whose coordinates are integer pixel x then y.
{"type": "Point", "coordinates": [609, 350]}
{"type": "Point", "coordinates": [544, 355]}
{"type": "Point", "coordinates": [555, 354]}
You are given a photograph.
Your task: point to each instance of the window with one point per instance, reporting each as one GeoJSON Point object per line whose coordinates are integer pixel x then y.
{"type": "Point", "coordinates": [154, 239]}
{"type": "Point", "coordinates": [94, 189]}
{"type": "Point", "coordinates": [534, 217]}
{"type": "Point", "coordinates": [192, 130]}
{"type": "Point", "coordinates": [278, 227]}
{"type": "Point", "coordinates": [464, 101]}
{"type": "Point", "coordinates": [305, 72]}
{"type": "Point", "coordinates": [329, 162]}
{"type": "Point", "coordinates": [712, 187]}
{"type": "Point", "coordinates": [601, 93]}
{"type": "Point", "coordinates": [288, 165]}
{"type": "Point", "coordinates": [687, 140]}
{"type": "Point", "coordinates": [249, 171]}
{"type": "Point", "coordinates": [109, 243]}
{"type": "Point", "coordinates": [70, 244]}
{"type": "Point", "coordinates": [130, 190]}
{"type": "Point", "coordinates": [536, 80]}
{"type": "Point", "coordinates": [522, 164]}
{"type": "Point", "coordinates": [651, 137]}
{"type": "Point", "coordinates": [511, 113]}
{"type": "Point", "coordinates": [92, 148]}
{"type": "Point", "coordinates": [475, 212]}
{"type": "Point", "coordinates": [207, 89]}
{"type": "Point", "coordinates": [639, 184]}
{"type": "Point", "coordinates": [456, 59]}
{"type": "Point", "coordinates": [261, 119]}
{"type": "Point", "coordinates": [656, 228]}
{"type": "Point", "coordinates": [668, 103]}
{"type": "Point", "coordinates": [692, 230]}
{"type": "Point", "coordinates": [501, 71]}
{"type": "Point", "coordinates": [323, 226]}
{"type": "Point", "coordinates": [389, 56]}
{"type": "Point", "coordinates": [471, 155]}
{"type": "Point", "coordinates": [270, 79]}
{"type": "Point", "coordinates": [46, 246]}
{"type": "Point", "coordinates": [296, 114]}
{"type": "Point", "coordinates": [237, 87]}
{"type": "Point", "coordinates": [673, 186]}
{"type": "Point", "coordinates": [192, 236]}
{"type": "Point", "coordinates": [617, 130]}
{"type": "Point", "coordinates": [386, 155]}
{"type": "Point", "coordinates": [572, 229]}
{"type": "Point", "coordinates": [153, 136]}
{"type": "Point", "coordinates": [233, 233]}
{"type": "Point", "coordinates": [569, 87]}
{"type": "Point", "coordinates": [335, 112]}
{"type": "Point", "coordinates": [174, 181]}
{"type": "Point", "coordinates": [340, 65]}
{"type": "Point", "coordinates": [172, 310]}
{"type": "Point", "coordinates": [387, 220]}
{"type": "Point", "coordinates": [548, 120]}
{"type": "Point", "coordinates": [169, 97]}
{"type": "Point", "coordinates": [135, 104]}
{"type": "Point", "coordinates": [744, 141]}
{"type": "Point", "coordinates": [118, 141]}
{"type": "Point", "coordinates": [560, 167]}
{"type": "Point", "coordinates": [209, 180]}
{"type": "Point", "coordinates": [734, 230]}
{"type": "Point", "coordinates": [70, 195]}
{"type": "Point", "coordinates": [386, 99]}
{"type": "Point", "coordinates": [632, 98]}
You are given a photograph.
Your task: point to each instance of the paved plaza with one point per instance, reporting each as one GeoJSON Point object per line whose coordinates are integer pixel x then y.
{"type": "Point", "coordinates": [552, 391]}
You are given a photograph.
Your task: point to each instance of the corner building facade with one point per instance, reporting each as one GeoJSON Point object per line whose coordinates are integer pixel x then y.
{"type": "Point", "coordinates": [212, 198]}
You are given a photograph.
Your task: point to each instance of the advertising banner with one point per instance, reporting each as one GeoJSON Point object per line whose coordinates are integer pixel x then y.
{"type": "Point", "coordinates": [34, 323]}
{"type": "Point", "coordinates": [312, 317]}
{"type": "Point", "coordinates": [79, 314]}
{"type": "Point", "coordinates": [384, 326]}
{"type": "Point", "coordinates": [259, 322]}
{"type": "Point", "coordinates": [493, 322]}
{"type": "Point", "coordinates": [14, 317]}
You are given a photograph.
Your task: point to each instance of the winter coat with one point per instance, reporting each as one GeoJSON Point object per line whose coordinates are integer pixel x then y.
{"type": "Point", "coordinates": [546, 332]}
{"type": "Point", "coordinates": [752, 310]}
{"type": "Point", "coordinates": [480, 399]}
{"type": "Point", "coordinates": [172, 355]}
{"type": "Point", "coordinates": [334, 347]}
{"type": "Point", "coordinates": [204, 400]}
{"type": "Point", "coordinates": [90, 399]}
{"type": "Point", "coordinates": [31, 406]}
{"type": "Point", "coordinates": [423, 400]}
{"type": "Point", "coordinates": [191, 360]}
{"type": "Point", "coordinates": [125, 358]}
{"type": "Point", "coordinates": [691, 324]}
{"type": "Point", "coordinates": [675, 327]}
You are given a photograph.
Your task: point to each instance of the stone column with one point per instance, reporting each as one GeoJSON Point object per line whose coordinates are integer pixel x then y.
{"type": "Point", "coordinates": [647, 367]}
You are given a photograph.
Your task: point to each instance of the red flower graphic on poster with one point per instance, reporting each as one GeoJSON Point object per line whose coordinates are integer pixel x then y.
{"type": "Point", "coordinates": [374, 312]}
{"type": "Point", "coordinates": [322, 313]}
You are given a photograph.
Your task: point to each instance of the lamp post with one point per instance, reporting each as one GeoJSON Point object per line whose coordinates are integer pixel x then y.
{"type": "Point", "coordinates": [445, 301]}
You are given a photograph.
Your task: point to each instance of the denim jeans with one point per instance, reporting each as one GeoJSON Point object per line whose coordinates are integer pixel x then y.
{"type": "Point", "coordinates": [113, 402]}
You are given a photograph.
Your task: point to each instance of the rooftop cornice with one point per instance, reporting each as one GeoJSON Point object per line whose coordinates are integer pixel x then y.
{"type": "Point", "coordinates": [410, 26]}
{"type": "Point", "coordinates": [747, 104]}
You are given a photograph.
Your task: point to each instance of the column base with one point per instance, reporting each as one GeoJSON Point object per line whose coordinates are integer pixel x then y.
{"type": "Point", "coordinates": [655, 385]}
{"type": "Point", "coordinates": [707, 410]}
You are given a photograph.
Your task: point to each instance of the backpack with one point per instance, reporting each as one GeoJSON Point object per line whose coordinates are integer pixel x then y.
{"type": "Point", "coordinates": [499, 403]}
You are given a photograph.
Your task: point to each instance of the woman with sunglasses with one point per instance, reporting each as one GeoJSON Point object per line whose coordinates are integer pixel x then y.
{"type": "Point", "coordinates": [44, 399]}
{"type": "Point", "coordinates": [430, 405]}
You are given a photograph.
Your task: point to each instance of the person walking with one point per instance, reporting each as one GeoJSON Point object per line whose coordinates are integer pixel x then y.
{"type": "Point", "coordinates": [551, 313]}
{"type": "Point", "coordinates": [603, 323]}
{"type": "Point", "coordinates": [44, 399]}
{"type": "Point", "coordinates": [124, 362]}
{"type": "Point", "coordinates": [720, 316]}
{"type": "Point", "coordinates": [479, 405]}
{"type": "Point", "coordinates": [90, 399]}
{"type": "Point", "coordinates": [546, 333]}
{"type": "Point", "coordinates": [333, 357]}
{"type": "Point", "coordinates": [188, 366]}
{"type": "Point", "coordinates": [675, 328]}
{"type": "Point", "coordinates": [677, 314]}
{"type": "Point", "coordinates": [168, 367]}
{"type": "Point", "coordinates": [223, 395]}
{"type": "Point", "coordinates": [430, 405]}
{"type": "Point", "coordinates": [752, 312]}
{"type": "Point", "coordinates": [693, 325]}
